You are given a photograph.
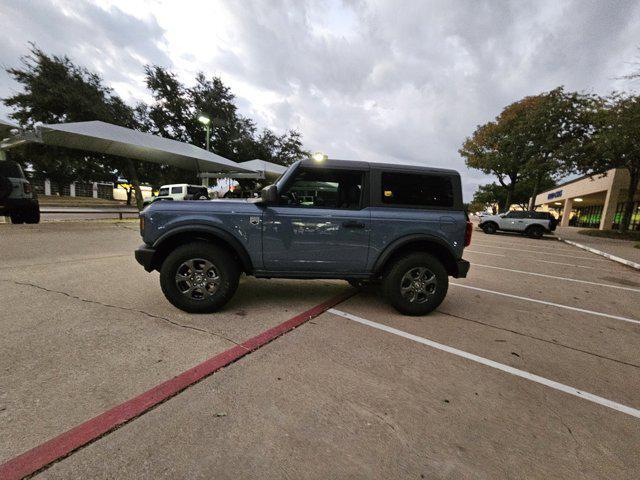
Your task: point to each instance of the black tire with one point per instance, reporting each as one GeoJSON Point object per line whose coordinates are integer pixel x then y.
{"type": "Point", "coordinates": [535, 231]}
{"type": "Point", "coordinates": [433, 284]}
{"type": "Point", "coordinates": [489, 228]}
{"type": "Point", "coordinates": [16, 217]}
{"type": "Point", "coordinates": [32, 215]}
{"type": "Point", "coordinates": [195, 293]}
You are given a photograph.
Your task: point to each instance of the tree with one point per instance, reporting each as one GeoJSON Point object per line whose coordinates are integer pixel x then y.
{"type": "Point", "coordinates": [524, 142]}
{"type": "Point", "coordinates": [493, 193]}
{"type": "Point", "coordinates": [55, 90]}
{"type": "Point", "coordinates": [610, 139]}
{"type": "Point", "coordinates": [176, 108]}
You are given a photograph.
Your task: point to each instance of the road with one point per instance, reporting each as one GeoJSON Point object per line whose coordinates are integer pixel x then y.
{"type": "Point", "coordinates": [529, 369]}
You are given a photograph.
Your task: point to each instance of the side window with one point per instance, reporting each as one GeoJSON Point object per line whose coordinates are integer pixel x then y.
{"type": "Point", "coordinates": [163, 191]}
{"type": "Point", "coordinates": [514, 214]}
{"type": "Point", "coordinates": [176, 190]}
{"type": "Point", "coordinates": [417, 190]}
{"type": "Point", "coordinates": [324, 189]}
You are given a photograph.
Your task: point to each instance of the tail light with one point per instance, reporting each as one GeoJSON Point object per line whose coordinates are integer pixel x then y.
{"type": "Point", "coordinates": [467, 234]}
{"type": "Point", "coordinates": [26, 186]}
{"type": "Point", "coordinates": [141, 224]}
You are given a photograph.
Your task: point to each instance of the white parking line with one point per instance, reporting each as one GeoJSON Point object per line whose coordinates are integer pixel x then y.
{"type": "Point", "coordinates": [485, 253]}
{"type": "Point", "coordinates": [490, 363]}
{"type": "Point", "coordinates": [551, 304]}
{"type": "Point", "coordinates": [567, 279]}
{"type": "Point", "coordinates": [540, 252]}
{"type": "Point", "coordinates": [568, 264]}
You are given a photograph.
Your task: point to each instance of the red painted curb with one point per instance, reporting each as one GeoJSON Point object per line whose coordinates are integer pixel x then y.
{"type": "Point", "coordinates": [65, 443]}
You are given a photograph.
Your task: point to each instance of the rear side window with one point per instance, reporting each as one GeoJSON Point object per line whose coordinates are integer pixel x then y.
{"type": "Point", "coordinates": [417, 190]}
{"type": "Point", "coordinates": [176, 189]}
{"type": "Point", "coordinates": [10, 169]}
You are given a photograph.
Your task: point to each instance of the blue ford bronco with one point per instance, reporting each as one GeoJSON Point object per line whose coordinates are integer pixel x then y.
{"type": "Point", "coordinates": [400, 226]}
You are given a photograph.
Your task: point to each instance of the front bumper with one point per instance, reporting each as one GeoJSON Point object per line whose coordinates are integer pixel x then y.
{"type": "Point", "coordinates": [463, 268]}
{"type": "Point", "coordinates": [144, 256]}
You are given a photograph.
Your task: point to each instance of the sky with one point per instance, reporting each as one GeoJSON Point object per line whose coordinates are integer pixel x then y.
{"type": "Point", "coordinates": [377, 80]}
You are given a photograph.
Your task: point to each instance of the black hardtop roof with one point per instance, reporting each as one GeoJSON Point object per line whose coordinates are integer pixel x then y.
{"type": "Point", "coordinates": [359, 165]}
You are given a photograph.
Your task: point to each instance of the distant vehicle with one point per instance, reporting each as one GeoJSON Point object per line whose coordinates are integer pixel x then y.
{"type": "Point", "coordinates": [180, 191]}
{"type": "Point", "coordinates": [402, 226]}
{"type": "Point", "coordinates": [17, 198]}
{"type": "Point", "coordinates": [531, 223]}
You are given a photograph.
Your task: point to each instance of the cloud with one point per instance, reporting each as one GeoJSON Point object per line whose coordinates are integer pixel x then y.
{"type": "Point", "coordinates": [106, 40]}
{"type": "Point", "coordinates": [366, 79]}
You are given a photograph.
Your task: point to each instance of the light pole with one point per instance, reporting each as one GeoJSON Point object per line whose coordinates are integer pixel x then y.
{"type": "Point", "coordinates": [206, 121]}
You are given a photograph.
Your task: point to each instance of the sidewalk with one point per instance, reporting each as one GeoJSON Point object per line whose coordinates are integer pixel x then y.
{"type": "Point", "coordinates": [620, 248]}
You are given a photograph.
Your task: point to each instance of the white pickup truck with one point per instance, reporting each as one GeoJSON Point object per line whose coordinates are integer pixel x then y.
{"type": "Point", "coordinates": [533, 224]}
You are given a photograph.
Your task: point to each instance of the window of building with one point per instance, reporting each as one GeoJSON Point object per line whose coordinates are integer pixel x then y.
{"type": "Point", "coordinates": [587, 217]}
{"type": "Point", "coordinates": [417, 190]}
{"type": "Point", "coordinates": [635, 216]}
{"type": "Point", "coordinates": [324, 189]}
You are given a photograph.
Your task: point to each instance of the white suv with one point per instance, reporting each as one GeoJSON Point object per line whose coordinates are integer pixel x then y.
{"type": "Point", "coordinates": [533, 224]}
{"type": "Point", "coordinates": [181, 191]}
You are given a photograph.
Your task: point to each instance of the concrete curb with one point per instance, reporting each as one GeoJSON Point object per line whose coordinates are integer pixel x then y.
{"type": "Point", "coordinates": [623, 261]}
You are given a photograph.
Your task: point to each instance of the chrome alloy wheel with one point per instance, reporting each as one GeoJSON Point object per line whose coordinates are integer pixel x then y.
{"type": "Point", "coordinates": [197, 279]}
{"type": "Point", "coordinates": [418, 284]}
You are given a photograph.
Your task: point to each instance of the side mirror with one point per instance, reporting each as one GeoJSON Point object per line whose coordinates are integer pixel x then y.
{"type": "Point", "coordinates": [269, 194]}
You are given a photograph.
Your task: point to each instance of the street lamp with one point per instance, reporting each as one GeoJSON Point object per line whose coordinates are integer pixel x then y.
{"type": "Point", "coordinates": [206, 121]}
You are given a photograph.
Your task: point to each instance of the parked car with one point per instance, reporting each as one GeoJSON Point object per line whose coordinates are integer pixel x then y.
{"type": "Point", "coordinates": [17, 198]}
{"type": "Point", "coordinates": [402, 226]}
{"type": "Point", "coordinates": [531, 223]}
{"type": "Point", "coordinates": [180, 191]}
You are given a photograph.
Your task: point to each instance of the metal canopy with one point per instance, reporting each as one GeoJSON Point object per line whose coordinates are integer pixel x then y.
{"type": "Point", "coordinates": [5, 129]}
{"type": "Point", "coordinates": [101, 137]}
{"type": "Point", "coordinates": [260, 170]}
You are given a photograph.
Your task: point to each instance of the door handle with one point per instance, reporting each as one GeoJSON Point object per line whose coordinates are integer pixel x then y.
{"type": "Point", "coordinates": [352, 224]}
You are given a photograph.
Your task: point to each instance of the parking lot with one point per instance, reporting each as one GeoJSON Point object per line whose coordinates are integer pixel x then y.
{"type": "Point", "coordinates": [529, 369]}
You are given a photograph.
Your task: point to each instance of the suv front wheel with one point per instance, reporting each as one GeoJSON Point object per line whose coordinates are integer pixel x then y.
{"type": "Point", "coordinates": [416, 284]}
{"type": "Point", "coordinates": [199, 277]}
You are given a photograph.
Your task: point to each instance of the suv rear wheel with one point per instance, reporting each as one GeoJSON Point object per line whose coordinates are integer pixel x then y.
{"type": "Point", "coordinates": [199, 277]}
{"type": "Point", "coordinates": [535, 231]}
{"type": "Point", "coordinates": [489, 228]}
{"type": "Point", "coordinates": [415, 284]}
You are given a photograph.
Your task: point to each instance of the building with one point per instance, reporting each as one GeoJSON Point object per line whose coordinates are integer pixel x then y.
{"type": "Point", "coordinates": [591, 201]}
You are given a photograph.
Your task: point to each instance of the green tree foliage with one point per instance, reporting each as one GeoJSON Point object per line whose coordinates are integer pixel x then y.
{"type": "Point", "coordinates": [525, 142]}
{"type": "Point", "coordinates": [495, 194]}
{"type": "Point", "coordinates": [610, 139]}
{"type": "Point", "coordinates": [55, 90]}
{"type": "Point", "coordinates": [176, 108]}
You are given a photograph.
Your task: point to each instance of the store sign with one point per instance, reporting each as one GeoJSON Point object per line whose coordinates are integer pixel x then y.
{"type": "Point", "coordinates": [553, 195]}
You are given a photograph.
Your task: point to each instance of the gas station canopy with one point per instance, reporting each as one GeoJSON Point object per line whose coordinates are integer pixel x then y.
{"type": "Point", "coordinates": [101, 137]}
{"type": "Point", "coordinates": [5, 129]}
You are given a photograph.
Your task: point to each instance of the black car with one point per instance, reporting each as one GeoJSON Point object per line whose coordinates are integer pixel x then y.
{"type": "Point", "coordinates": [17, 198]}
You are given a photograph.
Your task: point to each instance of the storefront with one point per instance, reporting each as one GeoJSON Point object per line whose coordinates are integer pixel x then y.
{"type": "Point", "coordinates": [591, 202]}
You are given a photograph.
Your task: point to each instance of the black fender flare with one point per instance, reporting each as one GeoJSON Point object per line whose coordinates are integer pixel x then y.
{"type": "Point", "coordinates": [209, 230]}
{"type": "Point", "coordinates": [401, 242]}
